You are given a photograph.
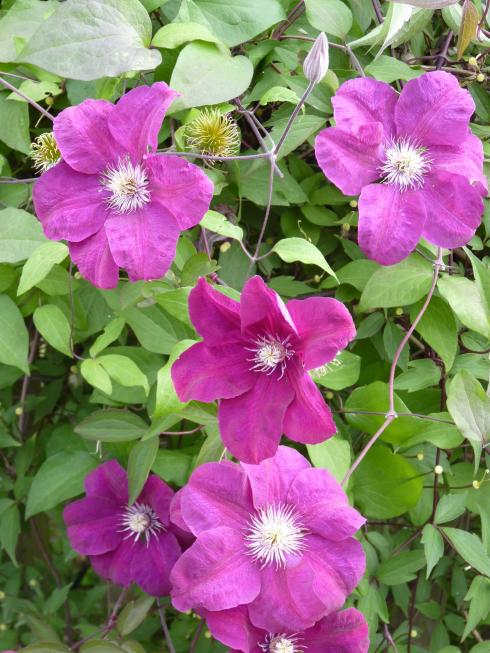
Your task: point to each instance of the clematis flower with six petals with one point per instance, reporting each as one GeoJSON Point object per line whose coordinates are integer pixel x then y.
{"type": "Point", "coordinates": [116, 202]}
{"type": "Point", "coordinates": [125, 544]}
{"type": "Point", "coordinates": [419, 145]}
{"type": "Point", "coordinates": [277, 537]}
{"type": "Point", "coordinates": [254, 358]}
{"type": "Point", "coordinates": [345, 631]}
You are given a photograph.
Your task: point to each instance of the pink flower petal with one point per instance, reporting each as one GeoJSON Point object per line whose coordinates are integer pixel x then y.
{"type": "Point", "coordinates": [271, 479]}
{"type": "Point", "coordinates": [137, 117]}
{"type": "Point", "coordinates": [68, 204]}
{"type": "Point", "coordinates": [158, 495]}
{"type": "Point", "coordinates": [434, 110]}
{"type": "Point", "coordinates": [323, 505]}
{"type": "Point", "coordinates": [251, 424]}
{"type": "Point", "coordinates": [83, 137]}
{"type": "Point", "coordinates": [152, 563]}
{"type": "Point", "coordinates": [116, 565]}
{"type": "Point", "coordinates": [234, 628]}
{"type": "Point", "coordinates": [180, 186]}
{"type": "Point", "coordinates": [218, 494]}
{"type": "Point", "coordinates": [94, 525]}
{"type": "Point", "coordinates": [207, 373]}
{"type": "Point", "coordinates": [308, 419]}
{"type": "Point", "coordinates": [325, 327]}
{"type": "Point", "coordinates": [465, 159]}
{"type": "Point", "coordinates": [341, 632]}
{"type": "Point", "coordinates": [143, 242]}
{"type": "Point", "coordinates": [215, 573]}
{"type": "Point", "coordinates": [215, 316]}
{"type": "Point", "coordinates": [390, 222]}
{"type": "Point", "coordinates": [94, 260]}
{"type": "Point", "coordinates": [365, 100]}
{"type": "Point", "coordinates": [263, 312]}
{"type": "Point", "coordinates": [454, 209]}
{"type": "Point", "coordinates": [108, 480]}
{"type": "Point", "coordinates": [350, 161]}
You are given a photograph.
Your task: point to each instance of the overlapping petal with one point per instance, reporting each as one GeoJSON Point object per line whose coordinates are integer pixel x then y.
{"type": "Point", "coordinates": [69, 204]}
{"type": "Point", "coordinates": [181, 187]}
{"type": "Point", "coordinates": [324, 326]}
{"type": "Point", "coordinates": [207, 373]}
{"type": "Point", "coordinates": [143, 242]}
{"type": "Point", "coordinates": [108, 480]}
{"type": "Point", "coordinates": [234, 628]}
{"type": "Point", "coordinates": [94, 260]}
{"type": "Point", "coordinates": [215, 316]}
{"type": "Point", "coordinates": [350, 161]}
{"type": "Point", "coordinates": [362, 101]}
{"type": "Point", "coordinates": [94, 525]}
{"type": "Point", "coordinates": [341, 632]}
{"type": "Point", "coordinates": [390, 222]}
{"type": "Point", "coordinates": [263, 311]}
{"type": "Point", "coordinates": [158, 495]}
{"type": "Point", "coordinates": [152, 563]}
{"type": "Point", "coordinates": [465, 159]}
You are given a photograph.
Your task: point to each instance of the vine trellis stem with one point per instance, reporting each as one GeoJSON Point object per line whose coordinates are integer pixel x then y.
{"type": "Point", "coordinates": [392, 414]}
{"type": "Point", "coordinates": [26, 98]}
{"type": "Point", "coordinates": [166, 632]}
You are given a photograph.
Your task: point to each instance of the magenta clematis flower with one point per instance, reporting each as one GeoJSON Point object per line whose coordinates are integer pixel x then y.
{"type": "Point", "coordinates": [125, 544]}
{"type": "Point", "coordinates": [275, 536]}
{"type": "Point", "coordinates": [340, 632]}
{"type": "Point", "coordinates": [116, 203]}
{"type": "Point", "coordinates": [419, 145]}
{"type": "Point", "coordinates": [254, 357]}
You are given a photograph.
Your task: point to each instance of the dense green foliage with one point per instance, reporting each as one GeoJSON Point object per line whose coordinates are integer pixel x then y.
{"type": "Point", "coordinates": [85, 373]}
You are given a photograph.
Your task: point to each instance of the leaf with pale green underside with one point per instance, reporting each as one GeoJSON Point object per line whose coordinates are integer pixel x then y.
{"type": "Point", "coordinates": [299, 249]}
{"type": "Point", "coordinates": [174, 35]}
{"type": "Point", "coordinates": [470, 548]}
{"type": "Point", "coordinates": [14, 124]}
{"type": "Point", "coordinates": [433, 546]}
{"type": "Point", "coordinates": [20, 235]}
{"type": "Point", "coordinates": [14, 339]}
{"type": "Point", "coordinates": [111, 425]}
{"type": "Point", "coordinates": [54, 327]}
{"type": "Point", "coordinates": [40, 263]}
{"type": "Point", "coordinates": [141, 459]}
{"type": "Point", "coordinates": [330, 16]}
{"type": "Point", "coordinates": [217, 223]}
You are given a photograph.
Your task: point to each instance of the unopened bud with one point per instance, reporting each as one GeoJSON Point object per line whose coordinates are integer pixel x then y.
{"type": "Point", "coordinates": [3, 627]}
{"type": "Point", "coordinates": [346, 226]}
{"type": "Point", "coordinates": [399, 311]}
{"type": "Point", "coordinates": [224, 247]}
{"type": "Point", "coordinates": [317, 278]}
{"type": "Point", "coordinates": [480, 78]}
{"type": "Point", "coordinates": [2, 595]}
{"type": "Point", "coordinates": [476, 485]}
{"type": "Point", "coordinates": [33, 582]}
{"type": "Point", "coordinates": [315, 65]}
{"type": "Point", "coordinates": [413, 633]}
{"type": "Point", "coordinates": [353, 204]}
{"type": "Point", "coordinates": [18, 411]}
{"type": "Point", "coordinates": [473, 61]}
{"type": "Point", "coordinates": [420, 456]}
{"type": "Point", "coordinates": [438, 470]}
{"type": "Point", "coordinates": [329, 395]}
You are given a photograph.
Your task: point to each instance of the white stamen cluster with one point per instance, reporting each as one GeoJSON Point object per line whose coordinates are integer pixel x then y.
{"type": "Point", "coordinates": [270, 352]}
{"type": "Point", "coordinates": [282, 643]}
{"type": "Point", "coordinates": [127, 185]}
{"type": "Point", "coordinates": [405, 164]}
{"type": "Point", "coordinates": [273, 533]}
{"type": "Point", "coordinates": [140, 520]}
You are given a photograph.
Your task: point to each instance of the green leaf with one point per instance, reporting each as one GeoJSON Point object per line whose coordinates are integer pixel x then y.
{"type": "Point", "coordinates": [19, 24]}
{"type": "Point", "coordinates": [388, 69]}
{"type": "Point", "coordinates": [203, 74]}
{"type": "Point", "coordinates": [60, 477]}
{"type": "Point", "coordinates": [333, 454]}
{"type": "Point", "coordinates": [433, 546]}
{"type": "Point", "coordinates": [133, 614]}
{"type": "Point", "coordinates": [92, 39]}
{"type": "Point", "coordinates": [401, 568]}
{"type": "Point", "coordinates": [10, 530]}
{"type": "Point", "coordinates": [299, 249]}
{"type": "Point", "coordinates": [466, 301]}
{"type": "Point", "coordinates": [340, 373]}
{"type": "Point", "coordinates": [374, 398]}
{"type": "Point", "coordinates": [124, 371]}
{"type": "Point", "coordinates": [450, 507]}
{"type": "Point", "coordinates": [14, 339]}
{"type": "Point", "coordinates": [233, 21]}
{"type": "Point", "coordinates": [397, 285]}
{"type": "Point", "coordinates": [330, 16]}
{"type": "Point", "coordinates": [303, 128]}
{"type": "Point", "coordinates": [37, 91]}
{"type": "Point", "coordinates": [479, 595]}
{"type": "Point", "coordinates": [93, 372]}
{"type": "Point", "coordinates": [40, 263]}
{"type": "Point", "coordinates": [482, 277]}
{"type": "Point", "coordinates": [390, 493]}
{"type": "Point", "coordinates": [470, 548]}
{"type": "Point", "coordinates": [141, 459]}
{"type": "Point", "coordinates": [174, 35]}
{"type": "Point", "coordinates": [14, 124]}
{"type": "Point", "coordinates": [421, 374]}
{"type": "Point", "coordinates": [111, 425]}
{"type": "Point", "coordinates": [153, 328]}
{"type": "Point", "coordinates": [218, 224]}
{"type": "Point", "coordinates": [173, 465]}
{"type": "Point", "coordinates": [438, 328]}
{"type": "Point", "coordinates": [20, 235]}
{"type": "Point", "coordinates": [468, 28]}
{"type": "Point", "coordinates": [166, 399]}
{"type": "Point", "coordinates": [469, 406]}
{"type": "Point", "coordinates": [112, 331]}
{"type": "Point", "coordinates": [100, 646]}
{"type": "Point", "coordinates": [278, 94]}
{"type": "Point", "coordinates": [213, 448]}
{"type": "Point", "coordinates": [54, 327]}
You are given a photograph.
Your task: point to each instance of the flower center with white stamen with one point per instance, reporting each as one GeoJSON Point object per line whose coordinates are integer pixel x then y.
{"type": "Point", "coordinates": [270, 352]}
{"type": "Point", "coordinates": [273, 533]}
{"type": "Point", "coordinates": [140, 520]}
{"type": "Point", "coordinates": [127, 185]}
{"type": "Point", "coordinates": [405, 164]}
{"type": "Point", "coordinates": [281, 643]}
